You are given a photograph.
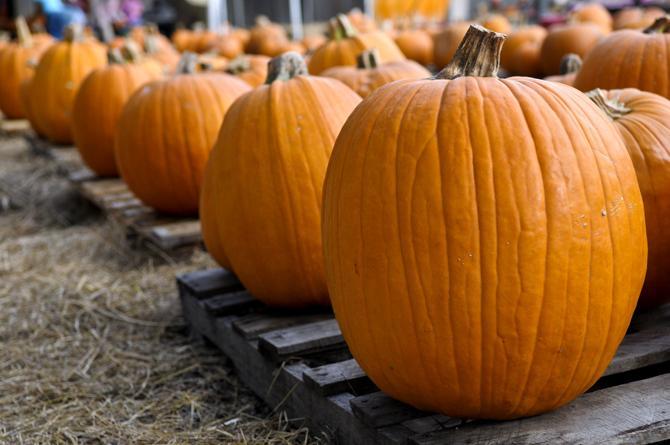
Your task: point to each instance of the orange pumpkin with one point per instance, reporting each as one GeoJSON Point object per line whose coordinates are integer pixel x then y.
{"type": "Point", "coordinates": [416, 44]}
{"type": "Point", "coordinates": [229, 46]}
{"type": "Point", "coordinates": [14, 68]}
{"type": "Point", "coordinates": [166, 131]}
{"type": "Point", "coordinates": [346, 44]}
{"type": "Point", "coordinates": [630, 59]}
{"type": "Point", "coordinates": [267, 172]}
{"type": "Point", "coordinates": [58, 75]}
{"type": "Point", "coordinates": [158, 48]}
{"type": "Point", "coordinates": [370, 74]}
{"type": "Point", "coordinates": [497, 23]}
{"type": "Point", "coordinates": [97, 108]}
{"type": "Point", "coordinates": [182, 39]}
{"type": "Point", "coordinates": [637, 18]}
{"type": "Point", "coordinates": [314, 41]}
{"type": "Point", "coordinates": [484, 239]}
{"type": "Point", "coordinates": [521, 52]}
{"type": "Point", "coordinates": [578, 39]}
{"type": "Point", "coordinates": [4, 39]}
{"type": "Point", "coordinates": [362, 22]}
{"type": "Point", "coordinates": [447, 41]}
{"type": "Point", "coordinates": [267, 38]}
{"type": "Point", "coordinates": [252, 69]}
{"type": "Point", "coordinates": [570, 66]}
{"type": "Point", "coordinates": [593, 13]}
{"type": "Point", "coordinates": [26, 102]}
{"type": "Point", "coordinates": [642, 120]}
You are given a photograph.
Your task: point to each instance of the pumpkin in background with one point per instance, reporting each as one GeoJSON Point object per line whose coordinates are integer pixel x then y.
{"type": "Point", "coordinates": [346, 44]}
{"type": "Point", "coordinates": [165, 134]}
{"type": "Point", "coordinates": [15, 68]}
{"type": "Point", "coordinates": [447, 41]}
{"type": "Point", "coordinates": [158, 48]}
{"type": "Point", "coordinates": [26, 102]}
{"type": "Point", "coordinates": [97, 108]}
{"type": "Point", "coordinates": [370, 74]}
{"type": "Point", "coordinates": [593, 13]}
{"type": "Point", "coordinates": [362, 22]}
{"type": "Point", "coordinates": [521, 52]}
{"type": "Point", "coordinates": [58, 75]}
{"type": "Point", "coordinates": [4, 39]}
{"type": "Point", "coordinates": [209, 62]}
{"type": "Point", "coordinates": [577, 39]}
{"type": "Point", "coordinates": [267, 38]}
{"type": "Point", "coordinates": [229, 46]}
{"type": "Point", "coordinates": [570, 66]}
{"type": "Point", "coordinates": [416, 44]}
{"type": "Point", "coordinates": [497, 23]}
{"type": "Point", "coordinates": [630, 59]}
{"type": "Point", "coordinates": [270, 160]}
{"type": "Point", "coordinates": [314, 41]}
{"type": "Point", "coordinates": [182, 38]}
{"type": "Point", "coordinates": [253, 69]}
{"type": "Point", "coordinates": [484, 239]}
{"type": "Point", "coordinates": [637, 18]}
{"type": "Point", "coordinates": [642, 119]}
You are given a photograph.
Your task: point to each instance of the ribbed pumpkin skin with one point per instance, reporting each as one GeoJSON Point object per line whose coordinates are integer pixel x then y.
{"type": "Point", "coordinates": [343, 52]}
{"type": "Point", "coordinates": [628, 59]}
{"type": "Point", "coordinates": [57, 78]}
{"type": "Point", "coordinates": [365, 81]}
{"type": "Point", "coordinates": [646, 132]}
{"type": "Point", "coordinates": [96, 112]}
{"type": "Point", "coordinates": [165, 134]}
{"type": "Point", "coordinates": [484, 242]}
{"type": "Point", "coordinates": [272, 154]}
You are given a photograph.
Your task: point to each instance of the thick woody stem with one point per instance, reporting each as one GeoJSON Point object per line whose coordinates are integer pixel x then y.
{"type": "Point", "coordinates": [368, 59]}
{"type": "Point", "coordinates": [570, 64]}
{"type": "Point", "coordinates": [612, 107]}
{"type": "Point", "coordinates": [342, 27]}
{"type": "Point", "coordinates": [23, 32]}
{"type": "Point", "coordinates": [238, 65]}
{"type": "Point", "coordinates": [286, 67]}
{"type": "Point", "coordinates": [73, 33]}
{"type": "Point", "coordinates": [478, 55]}
{"type": "Point", "coordinates": [660, 26]}
{"type": "Point", "coordinates": [187, 64]}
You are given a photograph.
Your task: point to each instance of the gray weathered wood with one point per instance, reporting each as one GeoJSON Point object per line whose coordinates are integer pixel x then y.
{"type": "Point", "coordinates": [652, 318]}
{"type": "Point", "coordinates": [82, 174]}
{"type": "Point", "coordinates": [644, 348]}
{"type": "Point", "coordinates": [177, 234]}
{"type": "Point", "coordinates": [634, 413]}
{"type": "Point", "coordinates": [302, 340]}
{"type": "Point", "coordinates": [346, 376]}
{"type": "Point", "coordinates": [252, 325]}
{"type": "Point", "coordinates": [378, 410]}
{"type": "Point", "coordinates": [206, 283]}
{"type": "Point", "coordinates": [12, 127]}
{"type": "Point", "coordinates": [230, 303]}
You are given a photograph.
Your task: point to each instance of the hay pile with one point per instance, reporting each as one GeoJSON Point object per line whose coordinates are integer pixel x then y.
{"type": "Point", "coordinates": [92, 345]}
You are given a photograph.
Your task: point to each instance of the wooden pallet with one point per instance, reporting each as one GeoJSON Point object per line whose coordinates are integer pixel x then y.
{"type": "Point", "coordinates": [298, 362]}
{"type": "Point", "coordinates": [14, 127]}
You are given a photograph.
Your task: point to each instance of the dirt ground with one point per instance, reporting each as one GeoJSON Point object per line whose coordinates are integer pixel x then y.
{"type": "Point", "coordinates": [93, 349]}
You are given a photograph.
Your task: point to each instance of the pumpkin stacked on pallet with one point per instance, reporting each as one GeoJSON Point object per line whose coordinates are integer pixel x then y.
{"type": "Point", "coordinates": [98, 106]}
{"type": "Point", "coordinates": [484, 266]}
{"type": "Point", "coordinates": [17, 64]}
{"type": "Point", "coordinates": [58, 76]}
{"type": "Point", "coordinates": [166, 131]}
{"type": "Point", "coordinates": [266, 175]}
{"type": "Point", "coordinates": [370, 74]}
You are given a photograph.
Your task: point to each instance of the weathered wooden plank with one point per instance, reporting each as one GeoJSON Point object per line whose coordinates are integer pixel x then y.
{"type": "Point", "coordinates": [83, 174]}
{"type": "Point", "coordinates": [346, 376]}
{"type": "Point", "coordinates": [176, 234]}
{"type": "Point", "coordinates": [659, 316]}
{"type": "Point", "coordinates": [252, 325]}
{"type": "Point", "coordinates": [230, 303]}
{"type": "Point", "coordinates": [302, 340]}
{"type": "Point", "coordinates": [11, 127]}
{"type": "Point", "coordinates": [205, 283]}
{"type": "Point", "coordinates": [644, 348]}
{"type": "Point", "coordinates": [378, 410]}
{"type": "Point", "coordinates": [637, 412]}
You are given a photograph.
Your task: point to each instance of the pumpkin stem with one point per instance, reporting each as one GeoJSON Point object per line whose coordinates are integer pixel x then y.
{"type": "Point", "coordinates": [23, 32]}
{"type": "Point", "coordinates": [114, 57]}
{"type": "Point", "coordinates": [570, 64]}
{"type": "Point", "coordinates": [368, 59]}
{"type": "Point", "coordinates": [660, 26]}
{"type": "Point", "coordinates": [478, 55]}
{"type": "Point", "coordinates": [262, 21]}
{"type": "Point", "coordinates": [73, 33]}
{"type": "Point", "coordinates": [612, 107]}
{"type": "Point", "coordinates": [130, 51]}
{"type": "Point", "coordinates": [286, 67]}
{"type": "Point", "coordinates": [238, 65]}
{"type": "Point", "coordinates": [187, 64]}
{"type": "Point", "coordinates": [341, 28]}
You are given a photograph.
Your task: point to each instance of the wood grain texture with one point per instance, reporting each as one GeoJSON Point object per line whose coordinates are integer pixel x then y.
{"type": "Point", "coordinates": [252, 325]}
{"type": "Point", "coordinates": [346, 376]}
{"type": "Point", "coordinates": [205, 283]}
{"type": "Point", "coordinates": [302, 340]}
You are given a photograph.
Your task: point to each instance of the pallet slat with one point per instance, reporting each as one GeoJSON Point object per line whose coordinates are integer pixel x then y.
{"type": "Point", "coordinates": [231, 303]}
{"type": "Point", "coordinates": [339, 377]}
{"type": "Point", "coordinates": [378, 409]}
{"type": "Point", "coordinates": [302, 340]}
{"type": "Point", "coordinates": [253, 325]}
{"type": "Point", "coordinates": [644, 348]}
{"type": "Point", "coordinates": [206, 283]}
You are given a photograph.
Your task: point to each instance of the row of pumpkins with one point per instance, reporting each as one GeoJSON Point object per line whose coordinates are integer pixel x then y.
{"type": "Point", "coordinates": [482, 240]}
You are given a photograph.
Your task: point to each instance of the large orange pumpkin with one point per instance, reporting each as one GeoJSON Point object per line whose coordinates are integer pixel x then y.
{"type": "Point", "coordinates": [637, 18]}
{"type": "Point", "coordinates": [416, 44]}
{"type": "Point", "coordinates": [484, 239]}
{"type": "Point", "coordinates": [267, 173]}
{"type": "Point", "coordinates": [593, 13]}
{"type": "Point", "coordinates": [253, 69]}
{"type": "Point", "coordinates": [521, 53]}
{"type": "Point", "coordinates": [165, 134]}
{"type": "Point", "coordinates": [447, 41]}
{"type": "Point", "coordinates": [58, 75]}
{"type": "Point", "coordinates": [578, 39]}
{"type": "Point", "coordinates": [97, 108]}
{"type": "Point", "coordinates": [15, 68]}
{"type": "Point", "coordinates": [370, 74]}
{"type": "Point", "coordinates": [346, 44]}
{"type": "Point", "coordinates": [630, 59]}
{"type": "Point", "coordinates": [26, 102]}
{"type": "Point", "coordinates": [642, 119]}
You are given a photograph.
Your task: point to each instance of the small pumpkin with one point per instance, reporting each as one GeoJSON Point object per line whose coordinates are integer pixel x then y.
{"type": "Point", "coordinates": [578, 39]}
{"type": "Point", "coordinates": [58, 75]}
{"type": "Point", "coordinates": [157, 47]}
{"type": "Point", "coordinates": [637, 18]}
{"type": "Point", "coordinates": [484, 239]}
{"type": "Point", "coordinates": [497, 23]}
{"type": "Point", "coordinates": [447, 41]}
{"type": "Point", "coordinates": [630, 59]}
{"type": "Point", "coordinates": [521, 54]}
{"type": "Point", "coordinates": [267, 172]}
{"type": "Point", "coordinates": [593, 13]}
{"type": "Point", "coordinates": [26, 102]}
{"type": "Point", "coordinates": [642, 120]}
{"type": "Point", "coordinates": [267, 38]}
{"type": "Point", "coordinates": [97, 108]}
{"type": "Point", "coordinates": [570, 66]}
{"type": "Point", "coordinates": [165, 134]}
{"type": "Point", "coordinates": [416, 44]}
{"type": "Point", "coordinates": [370, 74]}
{"type": "Point", "coordinates": [14, 68]}
{"type": "Point", "coordinates": [182, 39]}
{"type": "Point", "coordinates": [229, 46]}
{"type": "Point", "coordinates": [346, 44]}
{"type": "Point", "coordinates": [313, 41]}
{"type": "Point", "coordinates": [253, 69]}
{"type": "Point", "coordinates": [361, 21]}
